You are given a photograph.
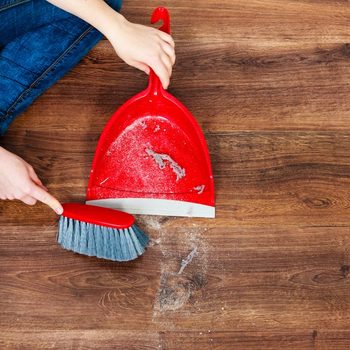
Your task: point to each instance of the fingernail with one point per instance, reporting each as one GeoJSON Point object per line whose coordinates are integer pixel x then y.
{"type": "Point", "coordinates": [59, 210]}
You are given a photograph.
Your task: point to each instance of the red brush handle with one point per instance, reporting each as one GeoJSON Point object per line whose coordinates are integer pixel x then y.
{"type": "Point", "coordinates": [159, 14]}
{"type": "Point", "coordinates": [98, 215]}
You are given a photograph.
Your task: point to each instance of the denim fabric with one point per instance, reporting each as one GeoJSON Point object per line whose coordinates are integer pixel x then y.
{"type": "Point", "coordinates": [39, 44]}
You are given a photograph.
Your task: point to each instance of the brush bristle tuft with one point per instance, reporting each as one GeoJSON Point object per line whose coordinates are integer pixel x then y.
{"type": "Point", "coordinates": [103, 242]}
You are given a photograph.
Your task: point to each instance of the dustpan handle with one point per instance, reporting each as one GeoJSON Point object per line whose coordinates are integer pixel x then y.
{"type": "Point", "coordinates": [159, 14]}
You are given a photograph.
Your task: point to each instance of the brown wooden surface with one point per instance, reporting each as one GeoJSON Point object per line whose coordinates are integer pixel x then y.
{"type": "Point", "coordinates": [269, 82]}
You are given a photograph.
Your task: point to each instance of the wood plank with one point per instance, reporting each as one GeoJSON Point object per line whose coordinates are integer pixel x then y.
{"type": "Point", "coordinates": [91, 339]}
{"type": "Point", "coordinates": [252, 21]}
{"type": "Point", "coordinates": [241, 278]}
{"type": "Point", "coordinates": [248, 87]}
{"type": "Point", "coordinates": [301, 340]}
{"type": "Point", "coordinates": [85, 339]}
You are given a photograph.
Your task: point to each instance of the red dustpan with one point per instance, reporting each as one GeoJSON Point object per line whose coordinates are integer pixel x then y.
{"type": "Point", "coordinates": [152, 157]}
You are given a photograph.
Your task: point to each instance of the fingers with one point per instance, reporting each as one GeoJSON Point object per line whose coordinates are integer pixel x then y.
{"type": "Point", "coordinates": [167, 38]}
{"type": "Point", "coordinates": [142, 66]}
{"type": "Point", "coordinates": [163, 64]}
{"type": "Point", "coordinates": [21, 182]}
{"type": "Point", "coordinates": [33, 193]}
{"type": "Point", "coordinates": [163, 69]}
{"type": "Point", "coordinates": [169, 50]}
{"type": "Point", "coordinates": [28, 200]}
{"type": "Point", "coordinates": [168, 64]}
{"type": "Point", "coordinates": [162, 72]}
{"type": "Point", "coordinates": [41, 195]}
{"type": "Point", "coordinates": [35, 178]}
{"type": "Point", "coordinates": [167, 59]}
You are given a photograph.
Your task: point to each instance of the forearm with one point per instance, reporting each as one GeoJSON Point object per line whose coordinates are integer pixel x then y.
{"type": "Point", "coordinates": [95, 12]}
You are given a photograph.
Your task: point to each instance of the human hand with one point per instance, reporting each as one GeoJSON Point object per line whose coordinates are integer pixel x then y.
{"type": "Point", "coordinates": [18, 180]}
{"type": "Point", "coordinates": [143, 47]}
{"type": "Point", "coordinates": [137, 45]}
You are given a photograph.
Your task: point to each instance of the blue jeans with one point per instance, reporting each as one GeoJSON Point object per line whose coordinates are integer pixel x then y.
{"type": "Point", "coordinates": [39, 44]}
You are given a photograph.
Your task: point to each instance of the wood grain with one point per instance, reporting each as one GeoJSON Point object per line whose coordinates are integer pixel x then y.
{"type": "Point", "coordinates": [258, 279]}
{"type": "Point", "coordinates": [249, 88]}
{"type": "Point", "coordinates": [268, 81]}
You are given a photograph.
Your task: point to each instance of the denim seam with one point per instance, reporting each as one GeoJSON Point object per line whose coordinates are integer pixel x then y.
{"type": "Point", "coordinates": [16, 81]}
{"type": "Point", "coordinates": [45, 73]}
{"type": "Point", "coordinates": [8, 6]}
{"type": "Point", "coordinates": [53, 24]}
{"type": "Point", "coordinates": [7, 59]}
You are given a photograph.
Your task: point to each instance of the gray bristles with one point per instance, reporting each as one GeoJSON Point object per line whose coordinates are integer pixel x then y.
{"type": "Point", "coordinates": [103, 242]}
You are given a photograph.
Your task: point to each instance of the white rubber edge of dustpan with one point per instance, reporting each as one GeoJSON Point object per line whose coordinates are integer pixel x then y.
{"type": "Point", "coordinates": [151, 206]}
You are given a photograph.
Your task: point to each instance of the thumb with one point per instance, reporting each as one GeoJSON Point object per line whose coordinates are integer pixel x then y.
{"type": "Point", "coordinates": [46, 198]}
{"type": "Point", "coordinates": [35, 178]}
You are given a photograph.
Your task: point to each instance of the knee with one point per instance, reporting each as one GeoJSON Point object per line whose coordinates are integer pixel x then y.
{"type": "Point", "coordinates": [115, 4]}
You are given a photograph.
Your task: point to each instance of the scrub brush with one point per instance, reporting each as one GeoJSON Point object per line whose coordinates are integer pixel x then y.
{"type": "Point", "coordinates": [102, 232]}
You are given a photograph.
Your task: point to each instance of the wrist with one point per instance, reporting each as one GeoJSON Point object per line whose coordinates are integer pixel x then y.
{"type": "Point", "coordinates": [111, 23]}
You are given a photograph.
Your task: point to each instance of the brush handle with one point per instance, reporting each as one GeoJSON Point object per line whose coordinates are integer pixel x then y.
{"type": "Point", "coordinates": [159, 14]}
{"type": "Point", "coordinates": [101, 216]}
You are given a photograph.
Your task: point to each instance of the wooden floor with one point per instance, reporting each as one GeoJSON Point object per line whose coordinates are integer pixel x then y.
{"type": "Point", "coordinates": [269, 82]}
